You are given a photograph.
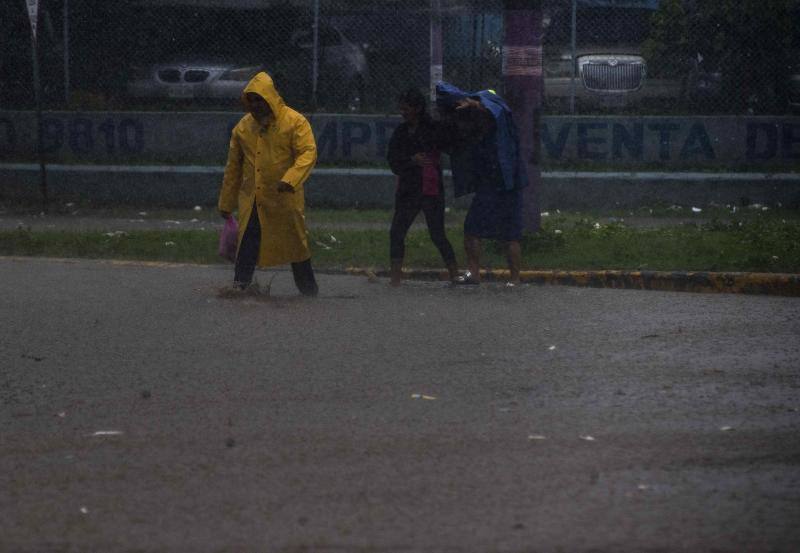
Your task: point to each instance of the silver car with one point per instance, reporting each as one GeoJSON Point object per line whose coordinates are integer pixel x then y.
{"type": "Point", "coordinates": [610, 69]}
{"type": "Point", "coordinates": [342, 73]}
{"type": "Point", "coordinates": [608, 77]}
{"type": "Point", "coordinates": [192, 79]}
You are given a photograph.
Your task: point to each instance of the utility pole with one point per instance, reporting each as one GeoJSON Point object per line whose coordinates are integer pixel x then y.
{"type": "Point", "coordinates": [523, 90]}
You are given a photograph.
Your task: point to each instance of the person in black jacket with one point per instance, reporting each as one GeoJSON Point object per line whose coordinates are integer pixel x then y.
{"type": "Point", "coordinates": [414, 156]}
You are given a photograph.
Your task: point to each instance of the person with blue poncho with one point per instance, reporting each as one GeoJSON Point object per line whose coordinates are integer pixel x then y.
{"type": "Point", "coordinates": [483, 144]}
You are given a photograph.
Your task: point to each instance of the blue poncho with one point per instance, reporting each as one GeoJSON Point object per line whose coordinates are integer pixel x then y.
{"type": "Point", "coordinates": [494, 162]}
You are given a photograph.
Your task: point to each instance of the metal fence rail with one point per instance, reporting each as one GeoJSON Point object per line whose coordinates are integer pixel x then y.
{"type": "Point", "coordinates": [599, 56]}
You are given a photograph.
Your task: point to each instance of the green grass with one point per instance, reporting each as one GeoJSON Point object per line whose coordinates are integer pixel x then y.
{"type": "Point", "coordinates": [755, 242]}
{"type": "Point", "coordinates": [759, 245]}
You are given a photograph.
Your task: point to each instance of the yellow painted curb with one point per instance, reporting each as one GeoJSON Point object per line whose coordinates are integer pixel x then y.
{"type": "Point", "coordinates": [774, 284]}
{"type": "Point", "coordinates": [777, 284]}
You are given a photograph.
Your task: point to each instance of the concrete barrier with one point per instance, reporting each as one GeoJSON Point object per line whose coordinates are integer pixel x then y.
{"type": "Point", "coordinates": [102, 155]}
{"type": "Point", "coordinates": [182, 186]}
{"type": "Point", "coordinates": [201, 138]}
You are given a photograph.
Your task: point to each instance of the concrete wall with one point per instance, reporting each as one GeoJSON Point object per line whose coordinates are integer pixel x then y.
{"type": "Point", "coordinates": [176, 159]}
{"type": "Point", "coordinates": [669, 143]}
{"type": "Point", "coordinates": [189, 186]}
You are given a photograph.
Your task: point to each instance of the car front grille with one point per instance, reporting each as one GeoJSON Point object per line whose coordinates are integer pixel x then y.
{"type": "Point", "coordinates": [607, 76]}
{"type": "Point", "coordinates": [189, 76]}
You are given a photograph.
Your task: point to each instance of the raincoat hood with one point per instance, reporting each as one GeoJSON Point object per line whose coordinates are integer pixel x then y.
{"type": "Point", "coordinates": [448, 95]}
{"type": "Point", "coordinates": [262, 85]}
{"type": "Point", "coordinates": [500, 149]}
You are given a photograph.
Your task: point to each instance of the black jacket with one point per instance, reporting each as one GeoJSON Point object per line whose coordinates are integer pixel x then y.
{"type": "Point", "coordinates": [402, 146]}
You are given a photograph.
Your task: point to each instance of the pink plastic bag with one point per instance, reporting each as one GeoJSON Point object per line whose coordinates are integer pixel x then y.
{"type": "Point", "coordinates": [430, 176]}
{"type": "Point", "coordinates": [229, 239]}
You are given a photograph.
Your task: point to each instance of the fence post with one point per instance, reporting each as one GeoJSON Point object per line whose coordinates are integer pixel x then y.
{"type": "Point", "coordinates": [315, 58]}
{"type": "Point", "coordinates": [437, 55]}
{"type": "Point", "coordinates": [573, 52]}
{"type": "Point", "coordinates": [66, 52]}
{"type": "Point", "coordinates": [33, 15]}
{"type": "Point", "coordinates": [523, 87]}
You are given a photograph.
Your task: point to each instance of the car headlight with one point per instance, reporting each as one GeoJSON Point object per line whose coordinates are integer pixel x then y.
{"type": "Point", "coordinates": [240, 74]}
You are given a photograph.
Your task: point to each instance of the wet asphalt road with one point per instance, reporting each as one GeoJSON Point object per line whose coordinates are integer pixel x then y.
{"type": "Point", "coordinates": [560, 419]}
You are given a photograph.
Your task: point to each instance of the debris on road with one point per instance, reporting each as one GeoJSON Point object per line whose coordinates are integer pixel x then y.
{"type": "Point", "coordinates": [422, 396]}
{"type": "Point", "coordinates": [587, 438]}
{"type": "Point", "coordinates": [726, 428]}
{"type": "Point", "coordinates": [537, 437]}
{"type": "Point", "coordinates": [108, 433]}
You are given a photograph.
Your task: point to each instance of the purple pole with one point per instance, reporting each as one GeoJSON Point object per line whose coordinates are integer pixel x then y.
{"type": "Point", "coordinates": [437, 55]}
{"type": "Point", "coordinates": [523, 86]}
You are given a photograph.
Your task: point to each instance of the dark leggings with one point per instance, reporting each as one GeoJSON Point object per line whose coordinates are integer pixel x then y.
{"type": "Point", "coordinates": [247, 257]}
{"type": "Point", "coordinates": [404, 214]}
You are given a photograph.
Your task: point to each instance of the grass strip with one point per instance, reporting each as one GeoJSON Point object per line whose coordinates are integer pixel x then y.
{"type": "Point", "coordinates": [568, 243]}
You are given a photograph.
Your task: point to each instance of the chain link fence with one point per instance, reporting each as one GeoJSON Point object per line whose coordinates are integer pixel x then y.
{"type": "Point", "coordinates": [658, 57]}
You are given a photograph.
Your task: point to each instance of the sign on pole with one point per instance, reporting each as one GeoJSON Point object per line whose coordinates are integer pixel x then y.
{"type": "Point", "coordinates": [33, 14]}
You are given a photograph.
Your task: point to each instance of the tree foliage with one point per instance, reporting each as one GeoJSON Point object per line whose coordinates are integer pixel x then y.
{"type": "Point", "coordinates": [751, 44]}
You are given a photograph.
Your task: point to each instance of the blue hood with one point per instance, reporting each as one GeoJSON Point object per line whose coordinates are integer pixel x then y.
{"type": "Point", "coordinates": [494, 161]}
{"type": "Point", "coordinates": [447, 95]}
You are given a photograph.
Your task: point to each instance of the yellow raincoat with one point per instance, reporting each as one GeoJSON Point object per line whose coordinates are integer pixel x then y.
{"type": "Point", "coordinates": [260, 157]}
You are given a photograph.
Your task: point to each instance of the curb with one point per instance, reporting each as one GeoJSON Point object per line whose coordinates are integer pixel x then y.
{"type": "Point", "coordinates": [772, 284]}
{"type": "Point", "coordinates": [769, 284]}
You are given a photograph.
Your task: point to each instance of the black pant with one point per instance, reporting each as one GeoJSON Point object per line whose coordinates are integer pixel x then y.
{"type": "Point", "coordinates": [247, 257]}
{"type": "Point", "coordinates": [405, 211]}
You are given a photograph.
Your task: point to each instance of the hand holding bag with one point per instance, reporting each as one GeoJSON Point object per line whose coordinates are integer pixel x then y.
{"type": "Point", "coordinates": [229, 239]}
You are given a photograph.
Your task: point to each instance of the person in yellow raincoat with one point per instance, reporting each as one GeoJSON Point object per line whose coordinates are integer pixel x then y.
{"type": "Point", "coordinates": [271, 154]}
